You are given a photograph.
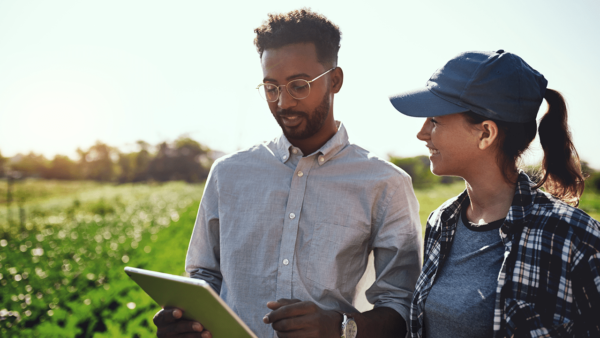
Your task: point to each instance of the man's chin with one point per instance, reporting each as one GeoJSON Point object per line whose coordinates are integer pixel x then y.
{"type": "Point", "coordinates": [294, 134]}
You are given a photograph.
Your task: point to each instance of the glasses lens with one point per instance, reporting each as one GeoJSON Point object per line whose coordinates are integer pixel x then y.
{"type": "Point", "coordinates": [268, 92]}
{"type": "Point", "coordinates": [299, 89]}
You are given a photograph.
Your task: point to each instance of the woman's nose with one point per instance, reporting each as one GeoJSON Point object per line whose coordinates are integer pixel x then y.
{"type": "Point", "coordinates": [423, 134]}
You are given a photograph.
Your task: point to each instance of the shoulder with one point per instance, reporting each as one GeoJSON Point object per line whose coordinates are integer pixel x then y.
{"type": "Point", "coordinates": [366, 160]}
{"type": "Point", "coordinates": [566, 221]}
{"type": "Point", "coordinates": [244, 156]}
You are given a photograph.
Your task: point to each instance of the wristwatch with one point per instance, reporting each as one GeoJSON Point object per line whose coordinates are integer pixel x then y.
{"type": "Point", "coordinates": [349, 328]}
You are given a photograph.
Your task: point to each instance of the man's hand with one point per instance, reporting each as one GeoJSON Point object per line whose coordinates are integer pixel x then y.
{"type": "Point", "coordinates": [292, 318]}
{"type": "Point", "coordinates": [169, 324]}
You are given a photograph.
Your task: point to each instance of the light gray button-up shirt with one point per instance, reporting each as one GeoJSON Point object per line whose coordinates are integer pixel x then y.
{"type": "Point", "coordinates": [276, 224]}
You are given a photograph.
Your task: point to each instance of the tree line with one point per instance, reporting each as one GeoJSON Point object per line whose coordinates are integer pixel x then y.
{"type": "Point", "coordinates": [184, 159]}
{"type": "Point", "coordinates": [418, 168]}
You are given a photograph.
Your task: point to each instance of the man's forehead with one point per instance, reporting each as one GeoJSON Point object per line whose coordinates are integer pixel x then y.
{"type": "Point", "coordinates": [301, 57]}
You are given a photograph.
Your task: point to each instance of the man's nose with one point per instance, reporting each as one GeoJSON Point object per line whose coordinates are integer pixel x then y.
{"type": "Point", "coordinates": [286, 100]}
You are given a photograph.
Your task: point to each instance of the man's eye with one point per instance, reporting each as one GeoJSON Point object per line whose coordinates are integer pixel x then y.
{"type": "Point", "coordinates": [301, 87]}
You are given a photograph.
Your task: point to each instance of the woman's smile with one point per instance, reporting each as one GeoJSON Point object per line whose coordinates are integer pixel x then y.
{"type": "Point", "coordinates": [433, 151]}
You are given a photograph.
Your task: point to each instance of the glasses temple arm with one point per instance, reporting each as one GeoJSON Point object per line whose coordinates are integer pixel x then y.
{"type": "Point", "coordinates": [321, 75]}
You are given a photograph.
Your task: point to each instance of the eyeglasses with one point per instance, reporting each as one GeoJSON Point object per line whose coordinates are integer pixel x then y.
{"type": "Point", "coordinates": [298, 89]}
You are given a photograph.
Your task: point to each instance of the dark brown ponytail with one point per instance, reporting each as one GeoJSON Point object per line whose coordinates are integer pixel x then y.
{"type": "Point", "coordinates": [560, 174]}
{"type": "Point", "coordinates": [561, 171]}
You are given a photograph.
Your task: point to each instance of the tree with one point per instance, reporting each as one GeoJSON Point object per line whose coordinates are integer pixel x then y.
{"type": "Point", "coordinates": [30, 165]}
{"type": "Point", "coordinates": [96, 163]}
{"type": "Point", "coordinates": [142, 162]}
{"type": "Point", "coordinates": [185, 160]}
{"type": "Point", "coordinates": [2, 164]}
{"type": "Point", "coordinates": [161, 167]}
{"type": "Point", "coordinates": [62, 168]}
{"type": "Point", "coordinates": [592, 180]}
{"type": "Point", "coordinates": [418, 168]}
{"type": "Point", "coordinates": [189, 158]}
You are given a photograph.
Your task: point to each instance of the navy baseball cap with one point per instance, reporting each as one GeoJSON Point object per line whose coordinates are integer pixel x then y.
{"type": "Point", "coordinates": [497, 85]}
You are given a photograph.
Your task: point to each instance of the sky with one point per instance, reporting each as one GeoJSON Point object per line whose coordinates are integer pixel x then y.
{"type": "Point", "coordinates": [76, 72]}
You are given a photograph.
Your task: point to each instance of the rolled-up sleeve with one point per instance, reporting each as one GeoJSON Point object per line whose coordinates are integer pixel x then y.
{"type": "Point", "coordinates": [397, 246]}
{"type": "Point", "coordinates": [203, 256]}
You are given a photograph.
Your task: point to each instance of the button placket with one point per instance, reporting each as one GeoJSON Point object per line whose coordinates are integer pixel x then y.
{"type": "Point", "coordinates": [290, 229]}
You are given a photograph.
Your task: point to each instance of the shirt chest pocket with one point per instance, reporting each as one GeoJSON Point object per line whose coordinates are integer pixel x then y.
{"type": "Point", "coordinates": [336, 253]}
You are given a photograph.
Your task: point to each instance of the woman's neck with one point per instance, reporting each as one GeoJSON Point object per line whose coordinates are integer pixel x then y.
{"type": "Point", "coordinates": [491, 196]}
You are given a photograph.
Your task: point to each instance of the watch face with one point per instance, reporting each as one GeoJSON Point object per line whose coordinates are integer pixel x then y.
{"type": "Point", "coordinates": [351, 329]}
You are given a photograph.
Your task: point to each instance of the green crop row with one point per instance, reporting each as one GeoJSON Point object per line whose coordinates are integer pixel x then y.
{"type": "Point", "coordinates": [62, 274]}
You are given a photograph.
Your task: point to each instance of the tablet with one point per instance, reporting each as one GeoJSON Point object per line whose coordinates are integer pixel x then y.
{"type": "Point", "coordinates": [196, 298]}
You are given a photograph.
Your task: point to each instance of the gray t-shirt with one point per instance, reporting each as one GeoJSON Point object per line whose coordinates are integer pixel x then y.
{"type": "Point", "coordinates": [461, 301]}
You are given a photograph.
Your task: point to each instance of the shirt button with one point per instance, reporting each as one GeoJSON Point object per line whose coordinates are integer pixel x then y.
{"type": "Point", "coordinates": [321, 159]}
{"type": "Point", "coordinates": [292, 215]}
{"type": "Point", "coordinates": [286, 262]}
{"type": "Point", "coordinates": [300, 174]}
{"type": "Point", "coordinates": [284, 157]}
{"type": "Point", "coordinates": [295, 151]}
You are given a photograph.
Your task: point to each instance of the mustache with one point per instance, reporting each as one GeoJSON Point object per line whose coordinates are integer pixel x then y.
{"type": "Point", "coordinates": [289, 112]}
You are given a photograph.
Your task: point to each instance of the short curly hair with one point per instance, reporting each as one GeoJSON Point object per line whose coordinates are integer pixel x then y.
{"type": "Point", "coordinates": [298, 26]}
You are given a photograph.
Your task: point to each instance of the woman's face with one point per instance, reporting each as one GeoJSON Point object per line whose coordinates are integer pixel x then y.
{"type": "Point", "coordinates": [452, 143]}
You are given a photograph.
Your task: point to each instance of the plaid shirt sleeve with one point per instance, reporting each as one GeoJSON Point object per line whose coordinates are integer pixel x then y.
{"type": "Point", "coordinates": [549, 283]}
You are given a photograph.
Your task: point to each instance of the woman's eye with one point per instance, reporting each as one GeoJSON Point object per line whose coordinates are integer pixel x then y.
{"type": "Point", "coordinates": [434, 121]}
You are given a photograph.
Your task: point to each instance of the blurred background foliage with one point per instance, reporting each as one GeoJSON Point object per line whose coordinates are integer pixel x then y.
{"type": "Point", "coordinates": [61, 270]}
{"type": "Point", "coordinates": [418, 168]}
{"type": "Point", "coordinates": [184, 159]}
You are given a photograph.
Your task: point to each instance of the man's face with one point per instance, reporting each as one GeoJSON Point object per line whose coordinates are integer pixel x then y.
{"type": "Point", "coordinates": [299, 119]}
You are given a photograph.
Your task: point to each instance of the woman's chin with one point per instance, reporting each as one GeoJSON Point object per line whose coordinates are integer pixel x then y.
{"type": "Point", "coordinates": [436, 170]}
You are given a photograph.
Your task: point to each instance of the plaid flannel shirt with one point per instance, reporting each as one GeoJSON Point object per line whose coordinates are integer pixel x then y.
{"type": "Point", "coordinates": [549, 283]}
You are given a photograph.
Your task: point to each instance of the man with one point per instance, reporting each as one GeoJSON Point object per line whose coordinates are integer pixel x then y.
{"type": "Point", "coordinates": [289, 224]}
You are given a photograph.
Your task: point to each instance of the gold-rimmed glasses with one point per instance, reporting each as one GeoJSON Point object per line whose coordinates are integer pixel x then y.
{"type": "Point", "coordinates": [298, 89]}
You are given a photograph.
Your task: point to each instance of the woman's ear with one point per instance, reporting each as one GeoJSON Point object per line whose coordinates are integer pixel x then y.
{"type": "Point", "coordinates": [488, 134]}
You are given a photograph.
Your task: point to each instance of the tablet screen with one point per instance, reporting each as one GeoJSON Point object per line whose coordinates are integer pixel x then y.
{"type": "Point", "coordinates": [195, 297]}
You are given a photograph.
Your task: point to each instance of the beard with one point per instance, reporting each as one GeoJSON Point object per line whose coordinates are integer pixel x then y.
{"type": "Point", "coordinates": [313, 124]}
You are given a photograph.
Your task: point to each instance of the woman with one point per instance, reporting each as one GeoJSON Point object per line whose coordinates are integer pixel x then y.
{"type": "Point", "coordinates": [503, 258]}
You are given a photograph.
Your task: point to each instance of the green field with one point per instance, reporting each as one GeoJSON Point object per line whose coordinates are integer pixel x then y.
{"type": "Point", "coordinates": [61, 272]}
{"type": "Point", "coordinates": [63, 250]}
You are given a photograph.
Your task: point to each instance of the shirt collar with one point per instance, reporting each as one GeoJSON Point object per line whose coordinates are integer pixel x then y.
{"type": "Point", "coordinates": [326, 152]}
{"type": "Point", "coordinates": [521, 207]}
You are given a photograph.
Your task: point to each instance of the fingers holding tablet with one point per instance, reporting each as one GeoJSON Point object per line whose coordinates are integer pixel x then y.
{"type": "Point", "coordinates": [169, 324]}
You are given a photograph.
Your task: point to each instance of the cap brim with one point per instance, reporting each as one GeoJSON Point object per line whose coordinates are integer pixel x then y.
{"type": "Point", "coordinates": [422, 103]}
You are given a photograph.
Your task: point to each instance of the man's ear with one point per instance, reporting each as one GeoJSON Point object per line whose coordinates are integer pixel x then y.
{"type": "Point", "coordinates": [488, 134]}
{"type": "Point", "coordinates": [337, 79]}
